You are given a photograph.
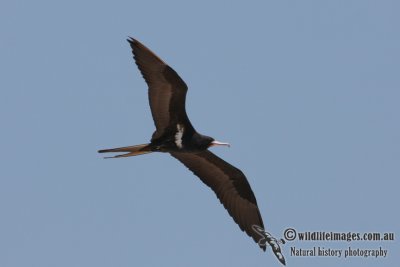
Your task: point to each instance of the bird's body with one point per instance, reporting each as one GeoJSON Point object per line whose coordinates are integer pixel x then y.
{"type": "Point", "coordinates": [175, 134]}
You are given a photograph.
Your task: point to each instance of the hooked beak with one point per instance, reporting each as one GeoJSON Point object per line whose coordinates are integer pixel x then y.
{"type": "Point", "coordinates": [217, 143]}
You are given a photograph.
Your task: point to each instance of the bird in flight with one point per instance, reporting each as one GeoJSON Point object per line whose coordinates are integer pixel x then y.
{"type": "Point", "coordinates": [176, 135]}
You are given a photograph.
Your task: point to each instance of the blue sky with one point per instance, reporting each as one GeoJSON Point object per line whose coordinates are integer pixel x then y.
{"type": "Point", "coordinates": [306, 92]}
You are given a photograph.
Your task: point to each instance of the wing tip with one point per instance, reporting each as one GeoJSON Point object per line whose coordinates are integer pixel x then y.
{"type": "Point", "coordinates": [132, 41]}
{"type": "Point", "coordinates": [138, 46]}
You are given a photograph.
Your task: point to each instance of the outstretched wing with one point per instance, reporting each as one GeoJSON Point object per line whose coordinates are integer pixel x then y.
{"type": "Point", "coordinates": [167, 91]}
{"type": "Point", "coordinates": [230, 185]}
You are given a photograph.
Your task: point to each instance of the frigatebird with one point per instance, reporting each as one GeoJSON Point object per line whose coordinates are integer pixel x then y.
{"type": "Point", "coordinates": [176, 135]}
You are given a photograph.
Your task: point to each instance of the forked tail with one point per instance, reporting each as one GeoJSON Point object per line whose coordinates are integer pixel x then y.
{"type": "Point", "coordinates": [131, 151]}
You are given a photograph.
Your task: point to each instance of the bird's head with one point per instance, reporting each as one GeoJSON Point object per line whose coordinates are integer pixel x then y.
{"type": "Point", "coordinates": [204, 142]}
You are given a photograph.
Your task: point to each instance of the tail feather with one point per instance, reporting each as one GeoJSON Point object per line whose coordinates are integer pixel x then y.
{"type": "Point", "coordinates": [132, 150]}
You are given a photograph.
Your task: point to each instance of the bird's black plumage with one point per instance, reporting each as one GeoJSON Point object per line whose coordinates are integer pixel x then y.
{"type": "Point", "coordinates": [175, 134]}
{"type": "Point", "coordinates": [229, 184]}
{"type": "Point", "coordinates": [167, 91]}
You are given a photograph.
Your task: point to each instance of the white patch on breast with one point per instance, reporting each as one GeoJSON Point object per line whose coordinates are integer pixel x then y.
{"type": "Point", "coordinates": [178, 135]}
